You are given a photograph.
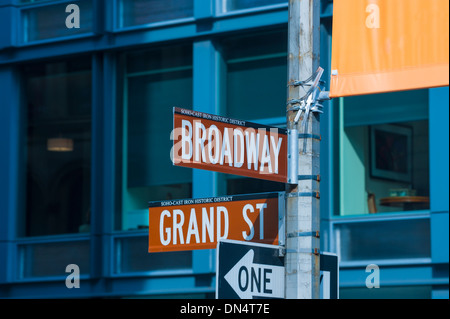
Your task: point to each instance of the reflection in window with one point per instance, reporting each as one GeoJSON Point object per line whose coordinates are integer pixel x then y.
{"type": "Point", "coordinates": [156, 81]}
{"type": "Point", "coordinates": [57, 98]}
{"type": "Point", "coordinates": [139, 12]}
{"type": "Point", "coordinates": [384, 153]}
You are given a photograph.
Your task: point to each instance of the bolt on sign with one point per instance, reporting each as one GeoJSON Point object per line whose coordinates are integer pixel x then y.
{"type": "Point", "coordinates": [229, 146]}
{"type": "Point", "coordinates": [189, 224]}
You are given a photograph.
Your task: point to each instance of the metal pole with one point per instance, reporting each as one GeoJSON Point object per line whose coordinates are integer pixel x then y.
{"type": "Point", "coordinates": [302, 202]}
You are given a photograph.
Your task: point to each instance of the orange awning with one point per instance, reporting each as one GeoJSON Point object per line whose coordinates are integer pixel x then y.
{"type": "Point", "coordinates": [389, 45]}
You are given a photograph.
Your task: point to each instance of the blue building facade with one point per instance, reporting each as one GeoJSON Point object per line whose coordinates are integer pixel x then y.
{"type": "Point", "coordinates": [85, 123]}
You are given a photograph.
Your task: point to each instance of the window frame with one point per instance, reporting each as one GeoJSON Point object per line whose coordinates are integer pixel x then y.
{"type": "Point", "coordinates": [22, 26]}
{"type": "Point", "coordinates": [118, 25]}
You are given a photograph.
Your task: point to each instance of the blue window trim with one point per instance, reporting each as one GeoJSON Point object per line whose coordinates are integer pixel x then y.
{"type": "Point", "coordinates": [381, 216]}
{"type": "Point", "coordinates": [385, 262]}
{"type": "Point", "coordinates": [47, 279]}
{"type": "Point", "coordinates": [222, 13]}
{"type": "Point", "coordinates": [52, 238]}
{"type": "Point", "coordinates": [9, 169]}
{"type": "Point", "coordinates": [54, 40]}
{"type": "Point", "coordinates": [41, 3]}
{"type": "Point", "coordinates": [439, 148]}
{"type": "Point", "coordinates": [155, 25]}
{"type": "Point", "coordinates": [274, 121]}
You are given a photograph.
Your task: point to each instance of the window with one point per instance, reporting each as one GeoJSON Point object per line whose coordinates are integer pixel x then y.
{"type": "Point", "coordinates": [140, 12]}
{"type": "Point", "coordinates": [51, 259]}
{"type": "Point", "coordinates": [132, 256]}
{"type": "Point", "coordinates": [383, 240]}
{"type": "Point", "coordinates": [155, 81]}
{"type": "Point", "coordinates": [49, 21]}
{"type": "Point", "coordinates": [232, 5]}
{"type": "Point", "coordinates": [57, 104]}
{"type": "Point", "coordinates": [256, 75]}
{"type": "Point", "coordinates": [384, 153]}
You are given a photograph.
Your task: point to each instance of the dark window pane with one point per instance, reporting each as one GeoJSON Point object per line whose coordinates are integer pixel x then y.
{"type": "Point", "coordinates": [57, 99]}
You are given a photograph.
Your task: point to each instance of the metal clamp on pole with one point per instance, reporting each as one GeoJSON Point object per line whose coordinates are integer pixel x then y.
{"type": "Point", "coordinates": [306, 177]}
{"type": "Point", "coordinates": [310, 102]}
{"type": "Point", "coordinates": [283, 251]}
{"type": "Point", "coordinates": [304, 234]}
{"type": "Point", "coordinates": [306, 135]}
{"type": "Point", "coordinates": [304, 194]}
{"type": "Point", "coordinates": [292, 156]}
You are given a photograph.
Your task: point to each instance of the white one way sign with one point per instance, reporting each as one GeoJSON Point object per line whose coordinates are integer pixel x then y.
{"type": "Point", "coordinates": [249, 270]}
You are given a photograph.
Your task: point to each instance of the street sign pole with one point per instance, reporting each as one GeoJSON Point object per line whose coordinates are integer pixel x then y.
{"type": "Point", "coordinates": [302, 276]}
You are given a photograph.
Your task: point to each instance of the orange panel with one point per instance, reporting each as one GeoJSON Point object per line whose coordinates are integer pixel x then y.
{"type": "Point", "coordinates": [385, 45]}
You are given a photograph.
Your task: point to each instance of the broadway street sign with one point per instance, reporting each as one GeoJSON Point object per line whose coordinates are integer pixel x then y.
{"type": "Point", "coordinates": [226, 145]}
{"type": "Point", "coordinates": [189, 224]}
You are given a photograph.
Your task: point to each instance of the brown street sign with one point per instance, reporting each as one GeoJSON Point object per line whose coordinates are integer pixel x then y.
{"type": "Point", "coordinates": [199, 223]}
{"type": "Point", "coordinates": [227, 145]}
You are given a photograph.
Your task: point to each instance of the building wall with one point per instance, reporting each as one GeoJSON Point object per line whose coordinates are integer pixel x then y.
{"type": "Point", "coordinates": [218, 57]}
